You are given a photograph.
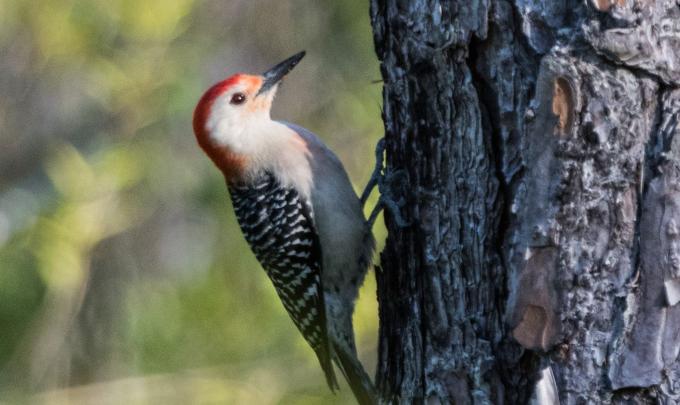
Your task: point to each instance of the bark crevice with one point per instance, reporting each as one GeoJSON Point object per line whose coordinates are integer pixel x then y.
{"type": "Point", "coordinates": [525, 150]}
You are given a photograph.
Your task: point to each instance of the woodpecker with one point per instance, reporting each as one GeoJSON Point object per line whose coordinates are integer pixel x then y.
{"type": "Point", "coordinates": [297, 210]}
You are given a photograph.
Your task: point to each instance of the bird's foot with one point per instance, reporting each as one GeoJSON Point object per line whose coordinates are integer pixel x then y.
{"type": "Point", "coordinates": [377, 171]}
{"type": "Point", "coordinates": [389, 183]}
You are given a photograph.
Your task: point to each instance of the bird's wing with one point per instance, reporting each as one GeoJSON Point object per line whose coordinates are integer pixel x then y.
{"type": "Point", "coordinates": [313, 141]}
{"type": "Point", "coordinates": [278, 224]}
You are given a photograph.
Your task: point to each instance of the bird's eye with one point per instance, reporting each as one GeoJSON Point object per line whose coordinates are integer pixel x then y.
{"type": "Point", "coordinates": [238, 98]}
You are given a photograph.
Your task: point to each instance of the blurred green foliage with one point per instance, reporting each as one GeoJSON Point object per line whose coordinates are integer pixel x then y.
{"type": "Point", "coordinates": [123, 274]}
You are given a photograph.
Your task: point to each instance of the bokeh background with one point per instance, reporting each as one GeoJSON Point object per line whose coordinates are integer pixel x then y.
{"type": "Point", "coordinates": [123, 275]}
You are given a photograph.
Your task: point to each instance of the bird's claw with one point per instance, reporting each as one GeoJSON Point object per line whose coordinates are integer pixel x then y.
{"type": "Point", "coordinates": [388, 182]}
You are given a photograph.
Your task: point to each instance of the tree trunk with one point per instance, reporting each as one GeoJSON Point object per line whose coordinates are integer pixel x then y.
{"type": "Point", "coordinates": [542, 185]}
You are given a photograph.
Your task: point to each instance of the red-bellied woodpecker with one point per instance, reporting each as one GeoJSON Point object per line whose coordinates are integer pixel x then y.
{"type": "Point", "coordinates": [297, 210]}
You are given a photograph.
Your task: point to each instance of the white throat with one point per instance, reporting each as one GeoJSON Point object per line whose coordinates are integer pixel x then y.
{"type": "Point", "coordinates": [268, 145]}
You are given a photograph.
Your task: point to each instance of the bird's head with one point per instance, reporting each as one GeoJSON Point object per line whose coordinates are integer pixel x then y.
{"type": "Point", "coordinates": [232, 119]}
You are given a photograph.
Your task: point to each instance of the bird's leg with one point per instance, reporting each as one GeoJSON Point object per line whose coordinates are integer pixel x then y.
{"type": "Point", "coordinates": [386, 181]}
{"type": "Point", "coordinates": [377, 171]}
{"type": "Point", "coordinates": [374, 214]}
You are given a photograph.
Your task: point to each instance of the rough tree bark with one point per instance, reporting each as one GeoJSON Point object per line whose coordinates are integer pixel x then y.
{"type": "Point", "coordinates": [541, 146]}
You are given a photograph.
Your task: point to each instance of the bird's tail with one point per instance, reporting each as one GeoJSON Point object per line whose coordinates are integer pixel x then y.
{"type": "Point", "coordinates": [358, 380]}
{"type": "Point", "coordinates": [327, 367]}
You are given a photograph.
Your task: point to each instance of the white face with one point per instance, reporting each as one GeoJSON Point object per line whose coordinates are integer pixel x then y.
{"type": "Point", "coordinates": [239, 118]}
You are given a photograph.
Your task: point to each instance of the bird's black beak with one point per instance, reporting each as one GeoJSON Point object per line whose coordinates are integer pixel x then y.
{"type": "Point", "coordinates": [278, 72]}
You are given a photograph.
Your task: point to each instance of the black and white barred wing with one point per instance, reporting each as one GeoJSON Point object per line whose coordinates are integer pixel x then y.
{"type": "Point", "coordinates": [279, 227]}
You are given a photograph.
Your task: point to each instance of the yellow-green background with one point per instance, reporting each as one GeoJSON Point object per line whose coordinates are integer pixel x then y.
{"type": "Point", "coordinates": [123, 275]}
